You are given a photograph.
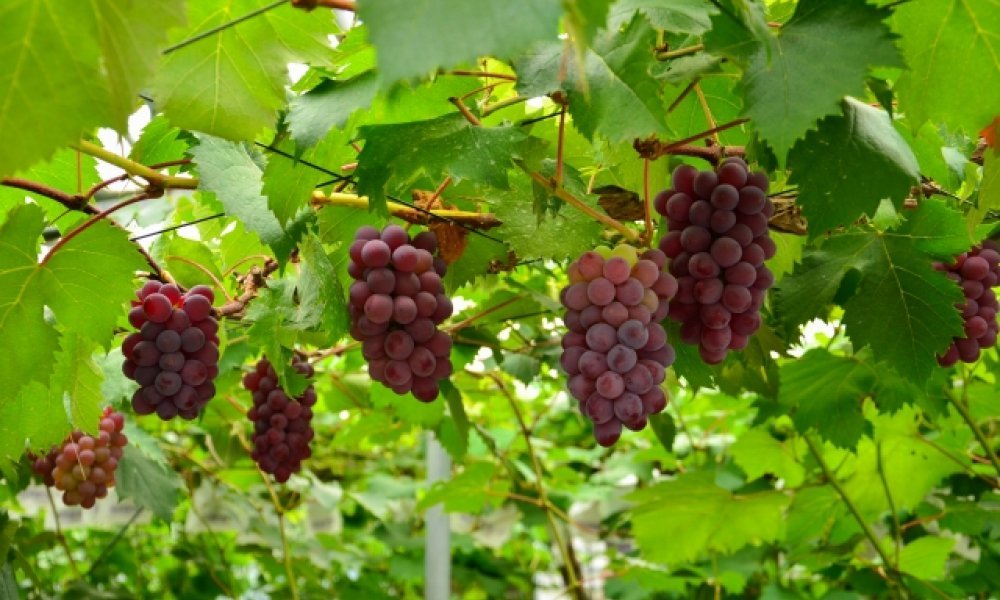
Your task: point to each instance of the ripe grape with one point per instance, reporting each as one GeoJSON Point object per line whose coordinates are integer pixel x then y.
{"type": "Point", "coordinates": [282, 424]}
{"type": "Point", "coordinates": [614, 300]}
{"type": "Point", "coordinates": [717, 249]}
{"type": "Point", "coordinates": [396, 305]}
{"type": "Point", "coordinates": [175, 350]}
{"type": "Point", "coordinates": [83, 466]}
{"type": "Point", "coordinates": [975, 272]}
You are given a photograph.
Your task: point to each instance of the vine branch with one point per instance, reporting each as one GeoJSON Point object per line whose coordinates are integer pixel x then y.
{"type": "Point", "coordinates": [151, 175]}
{"type": "Point", "coordinates": [573, 201]}
{"type": "Point", "coordinates": [70, 201]}
{"type": "Point", "coordinates": [408, 213]}
{"type": "Point", "coordinates": [653, 148]}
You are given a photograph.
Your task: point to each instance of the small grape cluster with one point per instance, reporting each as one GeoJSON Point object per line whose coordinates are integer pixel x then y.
{"type": "Point", "coordinates": [396, 305]}
{"type": "Point", "coordinates": [976, 272]}
{"type": "Point", "coordinates": [175, 354]}
{"type": "Point", "coordinates": [616, 351]}
{"type": "Point", "coordinates": [282, 425]}
{"type": "Point", "coordinates": [83, 466]}
{"type": "Point", "coordinates": [718, 241]}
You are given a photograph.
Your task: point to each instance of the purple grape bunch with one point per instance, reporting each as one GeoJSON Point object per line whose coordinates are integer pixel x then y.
{"type": "Point", "coordinates": [976, 272]}
{"type": "Point", "coordinates": [717, 242]}
{"type": "Point", "coordinates": [282, 424]}
{"type": "Point", "coordinates": [397, 302]}
{"type": "Point", "coordinates": [616, 351]}
{"type": "Point", "coordinates": [174, 355]}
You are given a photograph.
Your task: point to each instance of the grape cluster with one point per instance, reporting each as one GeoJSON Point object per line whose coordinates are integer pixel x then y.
{"type": "Point", "coordinates": [976, 271]}
{"type": "Point", "coordinates": [282, 429]}
{"type": "Point", "coordinates": [396, 303]}
{"type": "Point", "coordinates": [717, 242]}
{"type": "Point", "coordinates": [616, 351]}
{"type": "Point", "coordinates": [83, 467]}
{"type": "Point", "coordinates": [175, 354]}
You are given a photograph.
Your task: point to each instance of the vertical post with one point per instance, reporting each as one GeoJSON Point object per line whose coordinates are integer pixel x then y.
{"type": "Point", "coordinates": [437, 542]}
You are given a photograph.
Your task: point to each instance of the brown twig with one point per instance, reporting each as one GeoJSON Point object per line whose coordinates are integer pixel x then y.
{"type": "Point", "coordinates": [681, 96]}
{"type": "Point", "coordinates": [462, 108]}
{"type": "Point", "coordinates": [97, 217]}
{"type": "Point", "coordinates": [349, 5]}
{"type": "Point", "coordinates": [252, 282]}
{"type": "Point", "coordinates": [653, 148]}
{"type": "Point", "coordinates": [70, 201]}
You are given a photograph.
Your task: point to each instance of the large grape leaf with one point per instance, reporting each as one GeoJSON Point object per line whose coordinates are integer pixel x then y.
{"type": "Point", "coordinates": [894, 300]}
{"type": "Point", "coordinates": [953, 50]}
{"type": "Point", "coordinates": [290, 180]}
{"type": "Point", "coordinates": [232, 83]}
{"type": "Point", "coordinates": [76, 382]}
{"type": "Point", "coordinates": [228, 171]}
{"type": "Point", "coordinates": [414, 38]}
{"type": "Point", "coordinates": [821, 55]}
{"type": "Point", "coordinates": [740, 34]}
{"type": "Point", "coordinates": [697, 516]}
{"type": "Point", "coordinates": [69, 67]}
{"type": "Point", "coordinates": [34, 418]}
{"type": "Point", "coordinates": [846, 167]}
{"type": "Point", "coordinates": [824, 392]}
{"type": "Point", "coordinates": [682, 16]}
{"type": "Point", "coordinates": [757, 453]}
{"type": "Point", "coordinates": [445, 146]}
{"type": "Point", "coordinates": [615, 96]}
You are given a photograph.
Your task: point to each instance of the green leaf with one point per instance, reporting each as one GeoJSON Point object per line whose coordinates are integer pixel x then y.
{"type": "Point", "coordinates": [894, 300]}
{"type": "Point", "coordinates": [445, 146]}
{"type": "Point", "coordinates": [925, 557]}
{"type": "Point", "coordinates": [76, 381]}
{"type": "Point", "coordinates": [824, 392]}
{"type": "Point", "coordinates": [698, 516]}
{"type": "Point", "coordinates": [321, 297]}
{"type": "Point", "coordinates": [159, 142]}
{"type": "Point", "coordinates": [329, 105]}
{"type": "Point", "coordinates": [584, 18]}
{"type": "Point", "coordinates": [412, 39]}
{"type": "Point", "coordinates": [757, 453]}
{"type": "Point", "coordinates": [616, 95]}
{"type": "Point", "coordinates": [240, 72]}
{"type": "Point", "coordinates": [953, 52]}
{"type": "Point", "coordinates": [740, 34]}
{"type": "Point", "coordinates": [177, 253]}
{"type": "Point", "coordinates": [102, 51]}
{"type": "Point", "coordinates": [822, 54]}
{"type": "Point", "coordinates": [681, 16]}
{"type": "Point", "coordinates": [664, 429]}
{"type": "Point", "coordinates": [35, 419]}
{"type": "Point", "coordinates": [228, 171]}
{"type": "Point", "coordinates": [289, 182]}
{"type": "Point", "coordinates": [846, 167]}
{"type": "Point", "coordinates": [471, 491]}
{"type": "Point", "coordinates": [989, 191]}
{"type": "Point", "coordinates": [149, 483]}
{"type": "Point", "coordinates": [453, 433]}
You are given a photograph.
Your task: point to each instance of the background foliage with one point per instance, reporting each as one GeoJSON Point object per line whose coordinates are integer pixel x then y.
{"type": "Point", "coordinates": [831, 459]}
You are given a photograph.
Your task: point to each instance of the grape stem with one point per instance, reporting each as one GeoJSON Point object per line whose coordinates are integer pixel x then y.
{"type": "Point", "coordinates": [407, 213]}
{"type": "Point", "coordinates": [70, 201]}
{"type": "Point", "coordinates": [831, 478]}
{"type": "Point", "coordinates": [571, 565]}
{"type": "Point", "coordinates": [568, 198]}
{"type": "Point", "coordinates": [669, 54]}
{"type": "Point", "coordinates": [60, 535]}
{"type": "Point", "coordinates": [653, 148]}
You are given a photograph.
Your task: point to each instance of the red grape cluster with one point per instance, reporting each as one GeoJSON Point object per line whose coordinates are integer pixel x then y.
{"type": "Point", "coordinates": [83, 467]}
{"type": "Point", "coordinates": [616, 351]}
{"type": "Point", "coordinates": [175, 354]}
{"type": "Point", "coordinates": [718, 241]}
{"type": "Point", "coordinates": [976, 271]}
{"type": "Point", "coordinates": [397, 302]}
{"type": "Point", "coordinates": [282, 429]}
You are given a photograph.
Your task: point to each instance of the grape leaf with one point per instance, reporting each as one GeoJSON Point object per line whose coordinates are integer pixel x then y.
{"type": "Point", "coordinates": [740, 33]}
{"type": "Point", "coordinates": [228, 171]}
{"type": "Point", "coordinates": [321, 297]}
{"type": "Point", "coordinates": [953, 51]}
{"type": "Point", "coordinates": [989, 191]}
{"type": "Point", "coordinates": [159, 142]}
{"type": "Point", "coordinates": [34, 418]}
{"type": "Point", "coordinates": [584, 18]}
{"type": "Point", "coordinates": [241, 71]}
{"type": "Point", "coordinates": [289, 182]}
{"type": "Point", "coordinates": [102, 51]}
{"type": "Point", "coordinates": [329, 105]}
{"type": "Point", "coordinates": [846, 167]}
{"type": "Point", "coordinates": [444, 146]}
{"type": "Point", "coordinates": [926, 557]}
{"type": "Point", "coordinates": [757, 453]}
{"type": "Point", "coordinates": [148, 483]}
{"type": "Point", "coordinates": [89, 278]}
{"type": "Point", "coordinates": [822, 54]}
{"type": "Point", "coordinates": [76, 382]}
{"type": "Point", "coordinates": [824, 392]}
{"type": "Point", "coordinates": [697, 516]}
{"type": "Point", "coordinates": [413, 39]}
{"type": "Point", "coordinates": [682, 16]}
{"type": "Point", "coordinates": [620, 100]}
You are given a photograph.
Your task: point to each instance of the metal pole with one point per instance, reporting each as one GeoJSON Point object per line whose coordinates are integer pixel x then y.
{"type": "Point", "coordinates": [437, 543]}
